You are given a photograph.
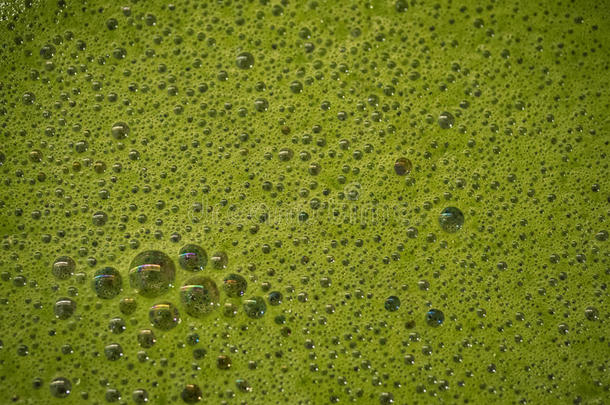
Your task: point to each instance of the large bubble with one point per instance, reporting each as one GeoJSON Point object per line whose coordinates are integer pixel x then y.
{"type": "Point", "coordinates": [151, 273]}
{"type": "Point", "coordinates": [199, 296]}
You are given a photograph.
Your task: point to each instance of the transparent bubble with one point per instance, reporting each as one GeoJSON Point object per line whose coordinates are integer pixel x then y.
{"type": "Point", "coordinates": [146, 338]}
{"type": "Point", "coordinates": [255, 307]}
{"type": "Point", "coordinates": [139, 396]}
{"type": "Point", "coordinates": [392, 303]}
{"type": "Point", "coordinates": [128, 306]}
{"type": "Point", "coordinates": [234, 285]}
{"type": "Point", "coordinates": [117, 325]}
{"type": "Point", "coordinates": [47, 51]}
{"type": "Point", "coordinates": [445, 120]}
{"type": "Point", "coordinates": [244, 60]}
{"type": "Point", "coordinates": [403, 166]}
{"type": "Point", "coordinates": [164, 316]}
{"type": "Point", "coordinates": [219, 260]}
{"type": "Point", "coordinates": [435, 317]}
{"type": "Point", "coordinates": [451, 219]}
{"type": "Point", "coordinates": [152, 273]}
{"type": "Point", "coordinates": [223, 362]}
{"type": "Point", "coordinates": [60, 387]}
{"type": "Point", "coordinates": [107, 283]}
{"type": "Point", "coordinates": [191, 394]}
{"type": "Point", "coordinates": [275, 298]}
{"type": "Point", "coordinates": [63, 267]}
{"type": "Point", "coordinates": [199, 296]}
{"type": "Point", "coordinates": [119, 130]}
{"type": "Point", "coordinates": [591, 313]}
{"type": "Point", "coordinates": [64, 308]}
{"type": "Point", "coordinates": [100, 218]}
{"type": "Point", "coordinates": [113, 351]}
{"type": "Point", "coordinates": [192, 258]}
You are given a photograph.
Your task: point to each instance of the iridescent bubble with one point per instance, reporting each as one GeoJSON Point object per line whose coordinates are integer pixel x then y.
{"type": "Point", "coordinates": [164, 316]}
{"type": "Point", "coordinates": [445, 120]}
{"type": "Point", "coordinates": [60, 387]}
{"type": "Point", "coordinates": [451, 219]}
{"type": "Point", "coordinates": [119, 130]}
{"type": "Point", "coordinates": [107, 283]}
{"type": "Point", "coordinates": [191, 394]}
{"type": "Point", "coordinates": [193, 258]}
{"type": "Point", "coordinates": [64, 308]}
{"type": "Point", "coordinates": [392, 303]}
{"type": "Point", "coordinates": [63, 267]}
{"type": "Point", "coordinates": [435, 317]}
{"type": "Point", "coordinates": [116, 325]}
{"type": "Point", "coordinates": [152, 273]}
{"type": "Point", "coordinates": [255, 307]}
{"type": "Point", "coordinates": [244, 60]}
{"type": "Point", "coordinates": [199, 295]}
{"type": "Point", "coordinates": [234, 285]}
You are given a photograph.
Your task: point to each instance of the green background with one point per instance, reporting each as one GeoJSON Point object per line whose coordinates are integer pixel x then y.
{"type": "Point", "coordinates": [526, 161]}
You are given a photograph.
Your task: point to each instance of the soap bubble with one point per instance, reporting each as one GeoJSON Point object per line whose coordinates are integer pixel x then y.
{"type": "Point", "coordinates": [107, 283]}
{"type": "Point", "coordinates": [63, 267]}
{"type": "Point", "coordinates": [164, 316]}
{"type": "Point", "coordinates": [451, 219]}
{"type": "Point", "coordinates": [199, 295]}
{"type": "Point", "coordinates": [192, 258]}
{"type": "Point", "coordinates": [152, 273]}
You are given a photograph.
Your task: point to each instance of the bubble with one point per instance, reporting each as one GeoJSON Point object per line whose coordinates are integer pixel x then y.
{"type": "Point", "coordinates": [100, 218]}
{"type": "Point", "coordinates": [402, 166]}
{"type": "Point", "coordinates": [164, 316]}
{"type": "Point", "coordinates": [244, 60]}
{"type": "Point", "coordinates": [392, 303]}
{"type": "Point", "coordinates": [219, 260]}
{"type": "Point", "coordinates": [445, 120]}
{"type": "Point", "coordinates": [223, 362]}
{"type": "Point", "coordinates": [47, 51]}
{"type": "Point", "coordinates": [435, 317]}
{"type": "Point", "coordinates": [116, 325]}
{"type": "Point", "coordinates": [63, 267]}
{"type": "Point", "coordinates": [107, 283]}
{"type": "Point", "coordinates": [64, 308]}
{"type": "Point", "coordinates": [401, 5]}
{"type": "Point", "coordinates": [152, 273]}
{"type": "Point", "coordinates": [234, 285]}
{"type": "Point", "coordinates": [591, 313]}
{"type": "Point", "coordinates": [255, 307]}
{"type": "Point", "coordinates": [199, 295]}
{"type": "Point", "coordinates": [139, 396]}
{"type": "Point", "coordinates": [60, 387]}
{"type": "Point", "coordinates": [128, 305]}
{"type": "Point", "coordinates": [193, 258]}
{"type": "Point", "coordinates": [451, 219]}
{"type": "Point", "coordinates": [113, 351]}
{"type": "Point", "coordinates": [243, 385]}
{"type": "Point", "coordinates": [119, 130]}
{"type": "Point", "coordinates": [275, 298]}
{"type": "Point", "coordinates": [261, 105]}
{"type": "Point", "coordinates": [191, 394]}
{"type": "Point", "coordinates": [146, 338]}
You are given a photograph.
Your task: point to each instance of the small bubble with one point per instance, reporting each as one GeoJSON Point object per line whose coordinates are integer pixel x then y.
{"type": "Point", "coordinates": [60, 387]}
{"type": "Point", "coordinates": [193, 258]}
{"type": "Point", "coordinates": [128, 306]}
{"type": "Point", "coordinates": [223, 362]}
{"type": "Point", "coordinates": [275, 298]}
{"type": "Point", "coordinates": [591, 313]}
{"type": "Point", "coordinates": [113, 351]}
{"type": "Point", "coordinates": [47, 51]}
{"type": "Point", "coordinates": [63, 267]}
{"type": "Point", "coordinates": [116, 325]}
{"type": "Point", "coordinates": [255, 307]}
{"type": "Point", "coordinates": [164, 315]}
{"type": "Point", "coordinates": [451, 219]}
{"type": "Point", "coordinates": [392, 303]}
{"type": "Point", "coordinates": [244, 60]}
{"type": "Point", "coordinates": [435, 317]}
{"type": "Point", "coordinates": [403, 166]}
{"type": "Point", "coordinates": [219, 260]}
{"type": "Point", "coordinates": [64, 308]}
{"type": "Point", "coordinates": [446, 120]}
{"type": "Point", "coordinates": [146, 338]}
{"type": "Point", "coordinates": [107, 283]}
{"type": "Point", "coordinates": [139, 396]}
{"type": "Point", "coordinates": [191, 394]}
{"type": "Point", "coordinates": [119, 130]}
{"type": "Point", "coordinates": [234, 285]}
